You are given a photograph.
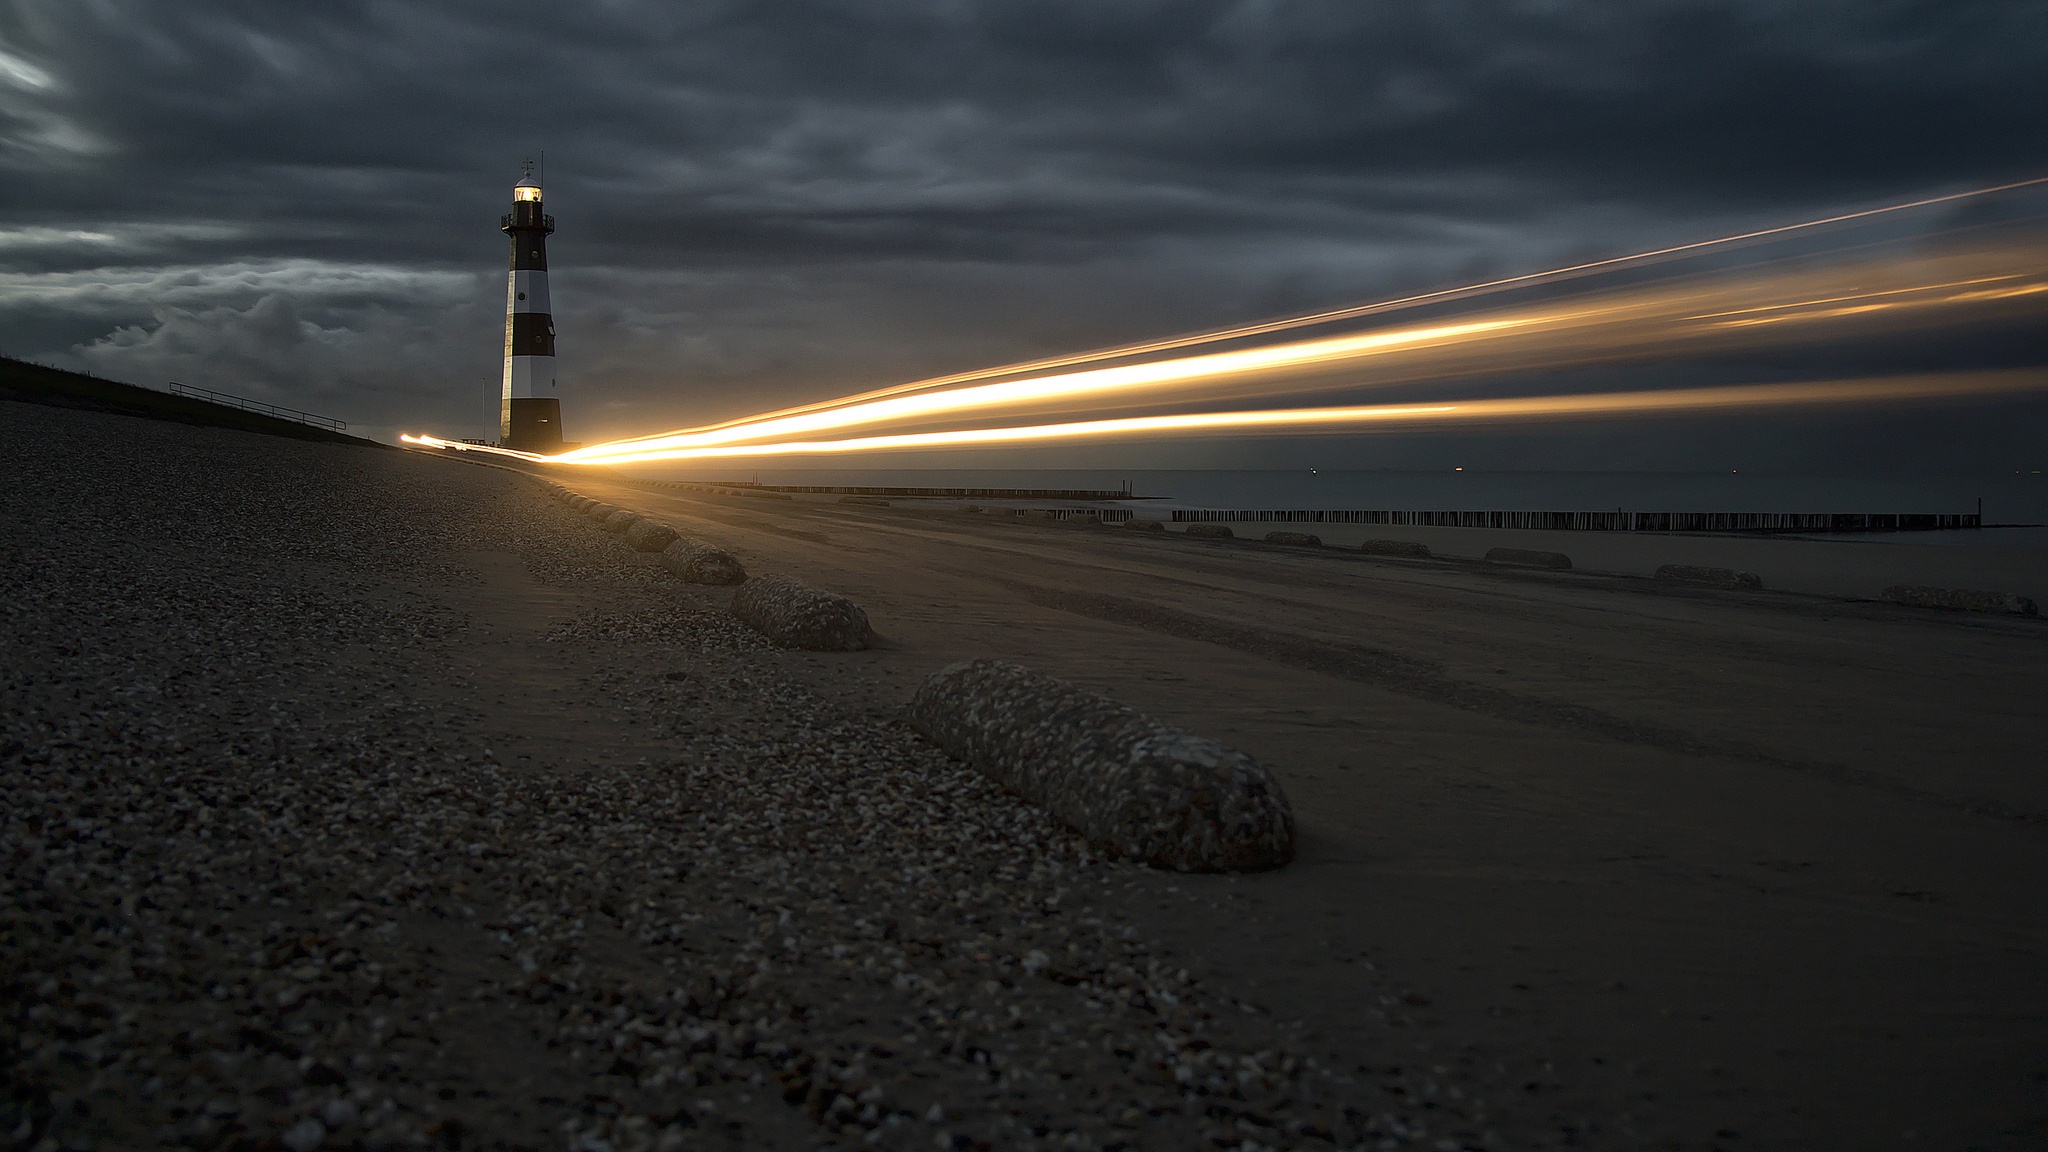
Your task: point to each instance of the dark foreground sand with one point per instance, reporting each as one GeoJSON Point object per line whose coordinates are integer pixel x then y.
{"type": "Point", "coordinates": [360, 798]}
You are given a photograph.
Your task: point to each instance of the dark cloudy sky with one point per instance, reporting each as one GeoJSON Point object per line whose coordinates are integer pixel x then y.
{"type": "Point", "coordinates": [762, 202]}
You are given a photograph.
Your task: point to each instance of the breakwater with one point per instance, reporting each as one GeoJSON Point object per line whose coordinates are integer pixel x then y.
{"type": "Point", "coordinates": [1601, 521]}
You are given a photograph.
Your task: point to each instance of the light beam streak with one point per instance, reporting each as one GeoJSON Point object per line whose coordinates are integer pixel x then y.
{"type": "Point", "coordinates": [1359, 311]}
{"type": "Point", "coordinates": [1094, 384]}
{"type": "Point", "coordinates": [1656, 318]}
{"type": "Point", "coordinates": [1607, 326]}
{"type": "Point", "coordinates": [1670, 402]}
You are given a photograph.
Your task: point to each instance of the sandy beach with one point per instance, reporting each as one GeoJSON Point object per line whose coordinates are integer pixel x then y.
{"type": "Point", "coordinates": [364, 798]}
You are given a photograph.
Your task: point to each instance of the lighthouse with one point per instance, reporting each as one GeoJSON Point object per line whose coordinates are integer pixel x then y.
{"type": "Point", "coordinates": [530, 418]}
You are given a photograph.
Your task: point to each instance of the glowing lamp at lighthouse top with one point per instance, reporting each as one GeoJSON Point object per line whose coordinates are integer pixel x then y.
{"type": "Point", "coordinates": [526, 190]}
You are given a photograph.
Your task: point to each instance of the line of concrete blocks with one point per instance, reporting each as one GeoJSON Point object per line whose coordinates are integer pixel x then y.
{"type": "Point", "coordinates": [787, 611]}
{"type": "Point", "coordinates": [1135, 787]}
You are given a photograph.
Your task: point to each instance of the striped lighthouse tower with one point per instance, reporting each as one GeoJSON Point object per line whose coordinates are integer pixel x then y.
{"type": "Point", "coordinates": [531, 416]}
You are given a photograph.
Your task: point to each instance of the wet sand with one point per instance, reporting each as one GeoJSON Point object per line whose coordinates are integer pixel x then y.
{"type": "Point", "coordinates": [1737, 869]}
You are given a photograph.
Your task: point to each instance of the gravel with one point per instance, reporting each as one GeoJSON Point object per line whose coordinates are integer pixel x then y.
{"type": "Point", "coordinates": [265, 883]}
{"type": "Point", "coordinates": [1132, 785]}
{"type": "Point", "coordinates": [695, 562]}
{"type": "Point", "coordinates": [1961, 600]}
{"type": "Point", "coordinates": [648, 536]}
{"type": "Point", "coordinates": [795, 615]}
{"type": "Point", "coordinates": [1708, 577]}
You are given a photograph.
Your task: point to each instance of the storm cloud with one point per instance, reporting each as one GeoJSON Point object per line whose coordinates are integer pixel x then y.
{"type": "Point", "coordinates": [768, 202]}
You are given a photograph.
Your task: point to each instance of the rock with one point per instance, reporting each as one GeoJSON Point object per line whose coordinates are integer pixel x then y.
{"type": "Point", "coordinates": [646, 536]}
{"type": "Point", "coordinates": [1961, 600]}
{"type": "Point", "coordinates": [867, 501]}
{"type": "Point", "coordinates": [598, 511]}
{"type": "Point", "coordinates": [304, 1136]}
{"type": "Point", "coordinates": [620, 520]}
{"type": "Point", "coordinates": [1145, 525]}
{"type": "Point", "coordinates": [1707, 577]}
{"type": "Point", "coordinates": [1129, 783]}
{"type": "Point", "coordinates": [795, 615]}
{"type": "Point", "coordinates": [1529, 559]}
{"type": "Point", "coordinates": [340, 1113]}
{"type": "Point", "coordinates": [1210, 531]}
{"type": "Point", "coordinates": [1300, 538]}
{"type": "Point", "coordinates": [702, 564]}
{"type": "Point", "coordinates": [1407, 548]}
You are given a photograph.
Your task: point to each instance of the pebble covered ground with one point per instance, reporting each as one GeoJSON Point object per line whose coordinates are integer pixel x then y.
{"type": "Point", "coordinates": [263, 885]}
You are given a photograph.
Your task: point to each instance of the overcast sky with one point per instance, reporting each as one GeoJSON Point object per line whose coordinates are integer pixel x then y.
{"type": "Point", "coordinates": [776, 201]}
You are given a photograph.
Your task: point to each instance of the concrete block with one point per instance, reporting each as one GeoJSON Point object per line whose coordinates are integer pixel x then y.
{"type": "Point", "coordinates": [598, 510]}
{"type": "Point", "coordinates": [646, 536]}
{"type": "Point", "coordinates": [1303, 539]}
{"type": "Point", "coordinates": [1408, 548]}
{"type": "Point", "coordinates": [1529, 559]}
{"type": "Point", "coordinates": [1961, 600]}
{"type": "Point", "coordinates": [1210, 531]}
{"type": "Point", "coordinates": [865, 501]}
{"type": "Point", "coordinates": [795, 615]}
{"type": "Point", "coordinates": [1134, 786]}
{"type": "Point", "coordinates": [1145, 525]}
{"type": "Point", "coordinates": [619, 521]}
{"type": "Point", "coordinates": [702, 564]}
{"type": "Point", "coordinates": [1707, 577]}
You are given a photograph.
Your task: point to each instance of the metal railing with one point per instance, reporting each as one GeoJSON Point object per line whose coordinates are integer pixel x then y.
{"type": "Point", "coordinates": [257, 406]}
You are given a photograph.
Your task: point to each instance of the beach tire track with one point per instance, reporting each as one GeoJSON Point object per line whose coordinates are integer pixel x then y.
{"type": "Point", "coordinates": [1425, 680]}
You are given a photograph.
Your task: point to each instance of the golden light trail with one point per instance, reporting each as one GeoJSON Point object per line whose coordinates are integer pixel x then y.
{"type": "Point", "coordinates": [1354, 312]}
{"type": "Point", "coordinates": [1761, 305]}
{"type": "Point", "coordinates": [1605, 326]}
{"type": "Point", "coordinates": [1671, 402]}
{"type": "Point", "coordinates": [1095, 384]}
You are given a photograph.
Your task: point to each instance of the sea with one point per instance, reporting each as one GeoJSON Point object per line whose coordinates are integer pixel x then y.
{"type": "Point", "coordinates": [2014, 505]}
